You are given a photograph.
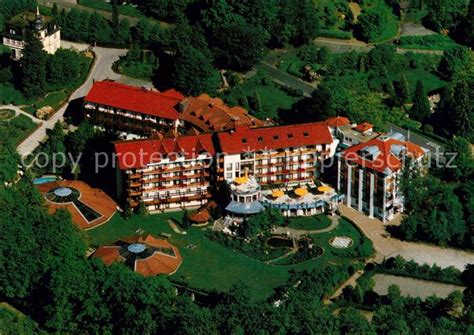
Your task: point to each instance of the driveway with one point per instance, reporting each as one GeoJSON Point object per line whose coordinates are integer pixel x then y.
{"type": "Point", "coordinates": [101, 69]}
{"type": "Point", "coordinates": [419, 252]}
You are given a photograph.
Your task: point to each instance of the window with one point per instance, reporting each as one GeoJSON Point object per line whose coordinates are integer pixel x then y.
{"type": "Point", "coordinates": [237, 166]}
{"type": "Point", "coordinates": [290, 135]}
{"type": "Point", "coordinates": [244, 140]}
{"type": "Point", "coordinates": [305, 134]}
{"type": "Point", "coordinates": [260, 139]}
{"type": "Point", "coordinates": [229, 175]}
{"type": "Point", "coordinates": [228, 166]}
{"type": "Point", "coordinates": [275, 137]}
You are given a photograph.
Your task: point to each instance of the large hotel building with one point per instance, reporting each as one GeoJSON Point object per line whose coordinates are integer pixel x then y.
{"type": "Point", "coordinates": [166, 173]}
{"type": "Point", "coordinates": [274, 154]}
{"type": "Point", "coordinates": [211, 144]}
{"type": "Point", "coordinates": [369, 174]}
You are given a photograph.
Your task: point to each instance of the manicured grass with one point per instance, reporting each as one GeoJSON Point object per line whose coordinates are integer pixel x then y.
{"type": "Point", "coordinates": [207, 265]}
{"type": "Point", "coordinates": [428, 42]}
{"type": "Point", "coordinates": [271, 98]}
{"type": "Point", "coordinates": [429, 79]}
{"type": "Point", "coordinates": [320, 221]}
{"type": "Point", "coordinates": [127, 9]}
{"type": "Point", "coordinates": [345, 228]}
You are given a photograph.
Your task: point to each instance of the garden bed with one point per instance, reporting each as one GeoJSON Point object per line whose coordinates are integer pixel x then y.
{"type": "Point", "coordinates": [6, 114]}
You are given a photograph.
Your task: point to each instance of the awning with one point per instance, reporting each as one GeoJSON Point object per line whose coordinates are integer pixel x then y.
{"type": "Point", "coordinates": [245, 208]}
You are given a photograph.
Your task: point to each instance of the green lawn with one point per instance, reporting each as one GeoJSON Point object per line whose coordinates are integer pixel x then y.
{"type": "Point", "coordinates": [429, 79]}
{"type": "Point", "coordinates": [261, 96]}
{"type": "Point", "coordinates": [320, 221]}
{"type": "Point", "coordinates": [208, 266]}
{"type": "Point", "coordinates": [345, 228]}
{"type": "Point", "coordinates": [428, 42]}
{"type": "Point", "coordinates": [126, 9]}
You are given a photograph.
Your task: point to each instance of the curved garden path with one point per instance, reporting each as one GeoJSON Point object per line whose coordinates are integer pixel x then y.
{"type": "Point", "coordinates": [297, 233]}
{"type": "Point", "coordinates": [18, 111]}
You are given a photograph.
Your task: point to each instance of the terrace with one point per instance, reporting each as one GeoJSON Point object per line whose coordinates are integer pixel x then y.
{"type": "Point", "coordinates": [301, 199]}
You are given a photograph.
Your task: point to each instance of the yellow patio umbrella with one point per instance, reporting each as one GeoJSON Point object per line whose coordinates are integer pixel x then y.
{"type": "Point", "coordinates": [324, 189]}
{"type": "Point", "coordinates": [301, 192]}
{"type": "Point", "coordinates": [277, 193]}
{"type": "Point", "coordinates": [241, 180]}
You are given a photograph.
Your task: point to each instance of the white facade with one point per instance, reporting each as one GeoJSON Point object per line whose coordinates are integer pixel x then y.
{"type": "Point", "coordinates": [50, 36]}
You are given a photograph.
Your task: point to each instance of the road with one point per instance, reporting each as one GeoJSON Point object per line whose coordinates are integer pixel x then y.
{"type": "Point", "coordinates": [101, 69]}
{"type": "Point", "coordinates": [419, 252]}
{"type": "Point", "coordinates": [283, 78]}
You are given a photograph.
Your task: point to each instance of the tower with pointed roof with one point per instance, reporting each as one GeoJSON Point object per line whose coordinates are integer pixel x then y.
{"type": "Point", "coordinates": [44, 27]}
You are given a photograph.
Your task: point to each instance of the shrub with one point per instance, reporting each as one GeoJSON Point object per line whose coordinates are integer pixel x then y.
{"type": "Point", "coordinates": [339, 34]}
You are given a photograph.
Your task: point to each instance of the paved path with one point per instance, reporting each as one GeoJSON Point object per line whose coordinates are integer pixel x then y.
{"type": "Point", "coordinates": [19, 111]}
{"type": "Point", "coordinates": [351, 281]}
{"type": "Point", "coordinates": [297, 233]}
{"type": "Point", "coordinates": [419, 252]}
{"type": "Point", "coordinates": [283, 78]}
{"type": "Point", "coordinates": [341, 46]}
{"type": "Point", "coordinates": [101, 69]}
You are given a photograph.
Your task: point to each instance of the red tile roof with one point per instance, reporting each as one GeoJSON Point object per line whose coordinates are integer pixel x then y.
{"type": "Point", "coordinates": [211, 114]}
{"type": "Point", "coordinates": [338, 121]}
{"type": "Point", "coordinates": [363, 127]}
{"type": "Point", "coordinates": [159, 262]}
{"type": "Point", "coordinates": [135, 99]}
{"type": "Point", "coordinates": [140, 153]}
{"type": "Point", "coordinates": [385, 158]}
{"type": "Point", "coordinates": [95, 198]}
{"type": "Point", "coordinates": [267, 138]}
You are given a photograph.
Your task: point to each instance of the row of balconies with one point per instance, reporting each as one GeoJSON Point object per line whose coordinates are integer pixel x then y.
{"type": "Point", "coordinates": [175, 177]}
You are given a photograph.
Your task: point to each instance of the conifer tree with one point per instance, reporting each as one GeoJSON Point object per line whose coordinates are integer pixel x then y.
{"type": "Point", "coordinates": [421, 107]}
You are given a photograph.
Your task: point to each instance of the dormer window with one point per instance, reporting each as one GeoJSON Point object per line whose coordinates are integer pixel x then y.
{"type": "Point", "coordinates": [290, 135]}
{"type": "Point", "coordinates": [276, 137]}
{"type": "Point", "coordinates": [305, 134]}
{"type": "Point", "coordinates": [12, 32]}
{"type": "Point", "coordinates": [244, 140]}
{"type": "Point", "coordinates": [260, 139]}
